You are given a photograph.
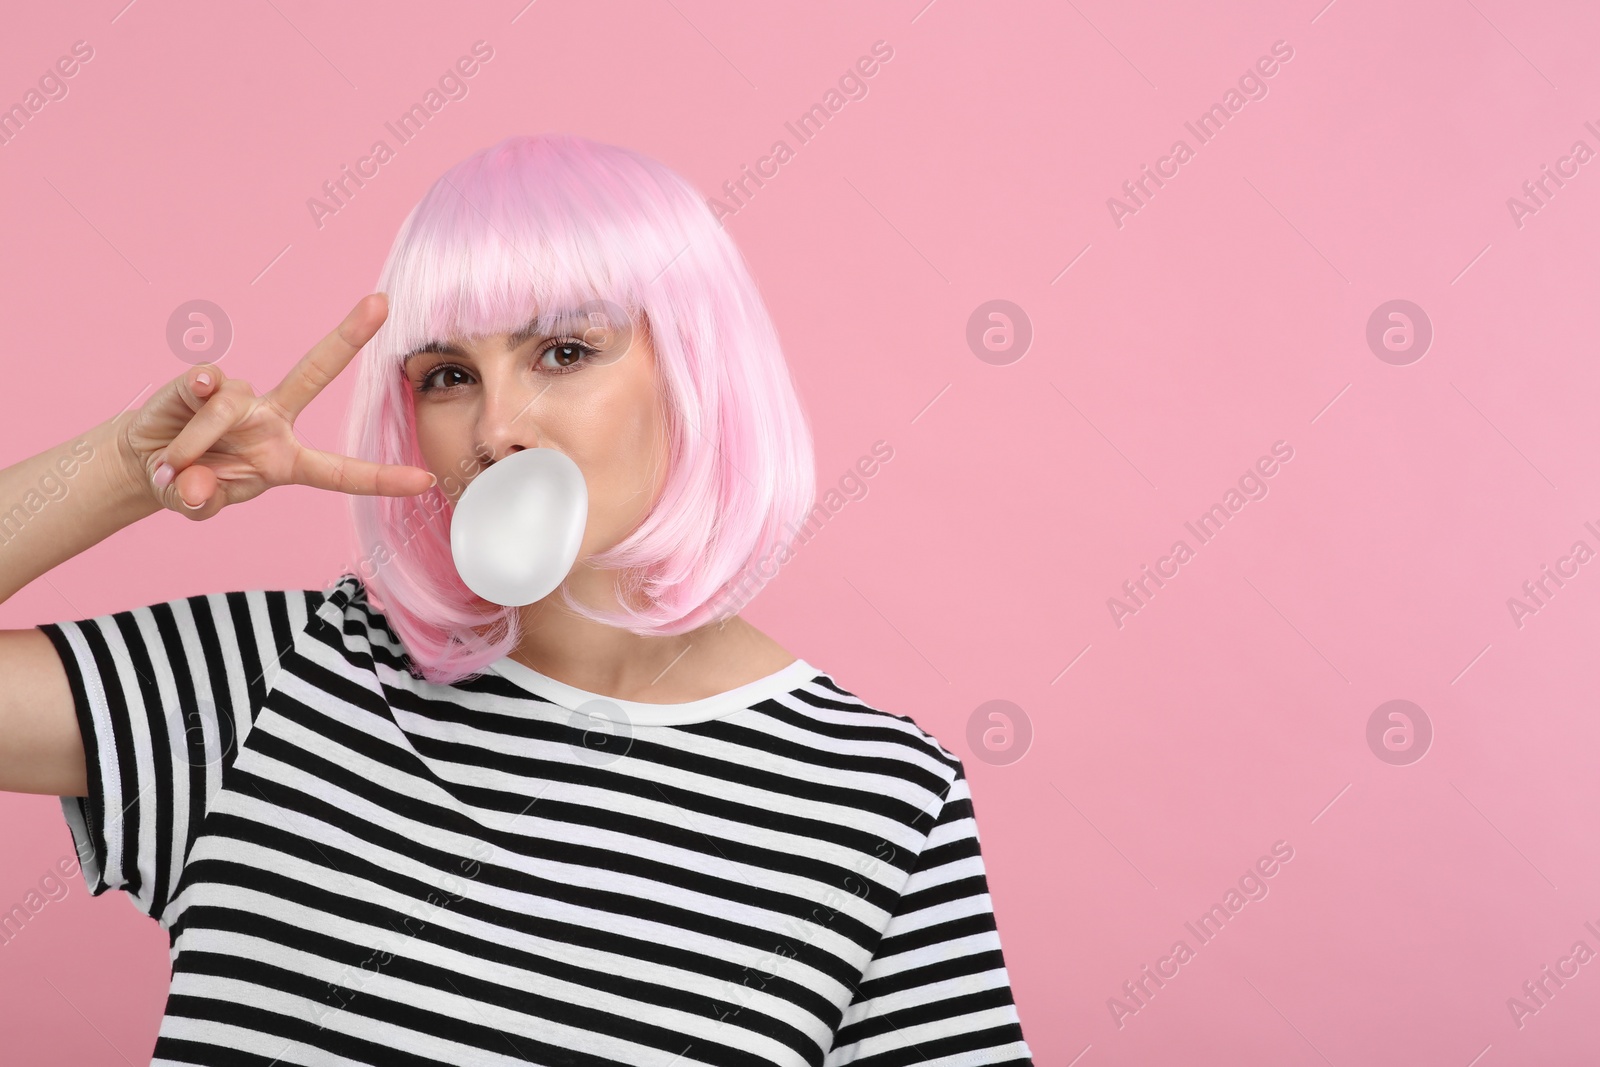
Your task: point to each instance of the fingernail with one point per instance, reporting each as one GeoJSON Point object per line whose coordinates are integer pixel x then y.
{"type": "Point", "coordinates": [192, 507]}
{"type": "Point", "coordinates": [164, 476]}
{"type": "Point", "coordinates": [202, 378]}
{"type": "Point", "coordinates": [433, 480]}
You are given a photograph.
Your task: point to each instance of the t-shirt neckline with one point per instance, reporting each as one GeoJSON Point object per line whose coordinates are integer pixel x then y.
{"type": "Point", "coordinates": [640, 713]}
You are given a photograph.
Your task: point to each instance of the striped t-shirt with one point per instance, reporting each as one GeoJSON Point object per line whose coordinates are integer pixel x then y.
{"type": "Point", "coordinates": [357, 866]}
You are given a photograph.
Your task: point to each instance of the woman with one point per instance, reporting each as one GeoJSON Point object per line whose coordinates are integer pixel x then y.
{"type": "Point", "coordinates": [389, 822]}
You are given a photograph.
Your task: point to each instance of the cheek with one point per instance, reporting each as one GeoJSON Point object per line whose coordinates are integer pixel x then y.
{"type": "Point", "coordinates": [624, 473]}
{"type": "Point", "coordinates": [614, 435]}
{"type": "Point", "coordinates": [445, 453]}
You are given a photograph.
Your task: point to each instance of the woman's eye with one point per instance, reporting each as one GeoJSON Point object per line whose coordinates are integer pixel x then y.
{"type": "Point", "coordinates": [432, 380]}
{"type": "Point", "coordinates": [565, 355]}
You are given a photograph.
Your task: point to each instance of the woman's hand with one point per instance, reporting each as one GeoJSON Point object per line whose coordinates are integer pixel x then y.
{"type": "Point", "coordinates": [202, 445]}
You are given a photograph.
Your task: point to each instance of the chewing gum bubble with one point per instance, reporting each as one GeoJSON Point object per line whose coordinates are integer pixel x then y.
{"type": "Point", "coordinates": [517, 527]}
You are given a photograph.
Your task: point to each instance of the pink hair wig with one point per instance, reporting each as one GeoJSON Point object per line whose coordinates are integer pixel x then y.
{"type": "Point", "coordinates": [530, 228]}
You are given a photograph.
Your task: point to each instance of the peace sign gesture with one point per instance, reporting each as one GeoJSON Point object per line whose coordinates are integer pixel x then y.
{"type": "Point", "coordinates": [204, 441]}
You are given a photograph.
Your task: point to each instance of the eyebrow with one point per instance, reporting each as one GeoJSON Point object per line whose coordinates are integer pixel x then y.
{"type": "Point", "coordinates": [514, 341]}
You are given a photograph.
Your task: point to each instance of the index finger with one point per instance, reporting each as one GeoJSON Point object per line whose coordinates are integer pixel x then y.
{"type": "Point", "coordinates": [330, 355]}
{"type": "Point", "coordinates": [345, 474]}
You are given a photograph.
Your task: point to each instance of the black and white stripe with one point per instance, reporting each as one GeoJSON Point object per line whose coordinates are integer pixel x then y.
{"type": "Point", "coordinates": [356, 865]}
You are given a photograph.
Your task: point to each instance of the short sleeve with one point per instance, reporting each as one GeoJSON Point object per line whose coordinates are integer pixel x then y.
{"type": "Point", "coordinates": [164, 695]}
{"type": "Point", "coordinates": [936, 992]}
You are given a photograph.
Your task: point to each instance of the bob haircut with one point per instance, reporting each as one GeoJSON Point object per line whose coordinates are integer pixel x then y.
{"type": "Point", "coordinates": [523, 232]}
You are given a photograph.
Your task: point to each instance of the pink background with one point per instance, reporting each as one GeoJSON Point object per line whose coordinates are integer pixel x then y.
{"type": "Point", "coordinates": [1228, 313]}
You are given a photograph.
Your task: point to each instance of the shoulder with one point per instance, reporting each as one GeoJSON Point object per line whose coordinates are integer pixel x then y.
{"type": "Point", "coordinates": [209, 623]}
{"type": "Point", "coordinates": [889, 763]}
{"type": "Point", "coordinates": [885, 737]}
{"type": "Point", "coordinates": [343, 617]}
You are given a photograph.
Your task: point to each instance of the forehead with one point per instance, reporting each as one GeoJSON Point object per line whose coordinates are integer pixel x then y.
{"type": "Point", "coordinates": [513, 339]}
{"type": "Point", "coordinates": [558, 321]}
{"type": "Point", "coordinates": [581, 322]}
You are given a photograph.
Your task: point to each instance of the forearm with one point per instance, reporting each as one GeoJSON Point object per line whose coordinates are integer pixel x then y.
{"type": "Point", "coordinates": [66, 499]}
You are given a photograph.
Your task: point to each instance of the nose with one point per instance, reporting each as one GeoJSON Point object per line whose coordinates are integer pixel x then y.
{"type": "Point", "coordinates": [506, 421]}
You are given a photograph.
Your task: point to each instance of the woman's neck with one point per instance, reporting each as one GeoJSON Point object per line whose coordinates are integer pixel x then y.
{"type": "Point", "coordinates": [651, 670]}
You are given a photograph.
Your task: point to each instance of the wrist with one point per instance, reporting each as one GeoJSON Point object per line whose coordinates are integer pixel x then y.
{"type": "Point", "coordinates": [123, 470]}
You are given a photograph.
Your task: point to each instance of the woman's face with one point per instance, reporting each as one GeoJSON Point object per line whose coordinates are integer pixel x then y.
{"type": "Point", "coordinates": [583, 390]}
